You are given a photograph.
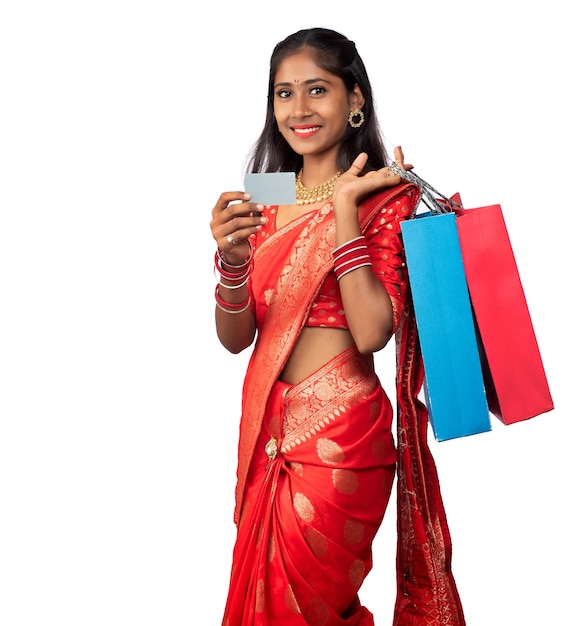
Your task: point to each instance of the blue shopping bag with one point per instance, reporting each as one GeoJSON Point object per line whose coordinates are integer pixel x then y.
{"type": "Point", "coordinates": [454, 385]}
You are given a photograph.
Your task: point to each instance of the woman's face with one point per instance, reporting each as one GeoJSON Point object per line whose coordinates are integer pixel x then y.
{"type": "Point", "coordinates": [311, 106]}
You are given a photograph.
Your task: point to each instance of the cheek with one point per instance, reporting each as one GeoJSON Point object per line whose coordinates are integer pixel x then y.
{"type": "Point", "coordinates": [340, 113]}
{"type": "Point", "coordinates": [279, 119]}
{"type": "Point", "coordinates": [340, 118]}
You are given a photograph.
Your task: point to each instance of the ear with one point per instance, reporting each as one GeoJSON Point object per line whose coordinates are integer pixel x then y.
{"type": "Point", "coordinates": [356, 99]}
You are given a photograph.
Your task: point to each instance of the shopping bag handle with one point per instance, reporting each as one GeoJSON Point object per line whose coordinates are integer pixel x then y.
{"type": "Point", "coordinates": [437, 202]}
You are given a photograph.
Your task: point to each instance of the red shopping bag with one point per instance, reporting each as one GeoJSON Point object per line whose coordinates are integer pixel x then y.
{"type": "Point", "coordinates": [516, 385]}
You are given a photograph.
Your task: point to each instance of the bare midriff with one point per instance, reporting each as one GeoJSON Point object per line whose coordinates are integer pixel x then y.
{"type": "Point", "coordinates": [315, 347]}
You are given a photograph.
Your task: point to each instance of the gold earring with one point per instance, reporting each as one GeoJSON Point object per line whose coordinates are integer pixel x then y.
{"type": "Point", "coordinates": [358, 122]}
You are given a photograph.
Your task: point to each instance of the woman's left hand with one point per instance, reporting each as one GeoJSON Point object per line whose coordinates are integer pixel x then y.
{"type": "Point", "coordinates": [353, 185]}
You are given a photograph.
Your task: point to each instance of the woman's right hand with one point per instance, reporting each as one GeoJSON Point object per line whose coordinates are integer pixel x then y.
{"type": "Point", "coordinates": [234, 219]}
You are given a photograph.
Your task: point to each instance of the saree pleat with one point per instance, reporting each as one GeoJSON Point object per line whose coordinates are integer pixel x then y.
{"type": "Point", "coordinates": [310, 513]}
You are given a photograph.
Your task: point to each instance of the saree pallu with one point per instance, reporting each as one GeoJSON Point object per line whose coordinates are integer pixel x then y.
{"type": "Point", "coordinates": [426, 590]}
{"type": "Point", "coordinates": [318, 487]}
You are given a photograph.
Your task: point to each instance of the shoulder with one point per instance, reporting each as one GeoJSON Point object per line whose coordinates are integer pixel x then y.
{"type": "Point", "coordinates": [392, 204]}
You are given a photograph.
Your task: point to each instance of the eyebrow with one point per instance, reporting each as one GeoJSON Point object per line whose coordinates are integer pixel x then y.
{"type": "Point", "coordinates": [310, 81]}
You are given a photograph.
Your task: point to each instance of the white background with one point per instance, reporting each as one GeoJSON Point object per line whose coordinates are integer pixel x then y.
{"type": "Point", "coordinates": [121, 122]}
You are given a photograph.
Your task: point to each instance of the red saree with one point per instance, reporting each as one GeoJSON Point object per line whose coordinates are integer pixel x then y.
{"type": "Point", "coordinates": [317, 459]}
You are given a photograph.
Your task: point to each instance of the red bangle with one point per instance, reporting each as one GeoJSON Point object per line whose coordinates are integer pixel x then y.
{"type": "Point", "coordinates": [351, 265]}
{"type": "Point", "coordinates": [243, 271]}
{"type": "Point", "coordinates": [350, 256]}
{"type": "Point", "coordinates": [229, 307]}
{"type": "Point", "coordinates": [348, 245]}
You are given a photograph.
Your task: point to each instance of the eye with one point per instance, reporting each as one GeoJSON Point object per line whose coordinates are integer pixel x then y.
{"type": "Point", "coordinates": [317, 91]}
{"type": "Point", "coordinates": [283, 93]}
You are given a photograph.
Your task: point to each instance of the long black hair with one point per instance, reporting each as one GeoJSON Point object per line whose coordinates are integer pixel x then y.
{"type": "Point", "coordinates": [338, 55]}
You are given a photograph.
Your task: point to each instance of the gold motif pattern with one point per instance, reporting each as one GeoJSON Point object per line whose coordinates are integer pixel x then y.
{"type": "Point", "coordinates": [375, 410]}
{"type": "Point", "coordinates": [317, 542]}
{"type": "Point", "coordinates": [345, 481]}
{"type": "Point", "coordinates": [298, 468]}
{"type": "Point", "coordinates": [271, 547]}
{"type": "Point", "coordinates": [381, 450]}
{"type": "Point", "coordinates": [353, 532]}
{"type": "Point", "coordinates": [316, 612]}
{"type": "Point", "coordinates": [356, 573]}
{"type": "Point", "coordinates": [304, 508]}
{"type": "Point", "coordinates": [325, 396]}
{"type": "Point", "coordinates": [260, 596]}
{"type": "Point", "coordinates": [329, 451]}
{"type": "Point", "coordinates": [290, 600]}
{"type": "Point", "coordinates": [268, 294]}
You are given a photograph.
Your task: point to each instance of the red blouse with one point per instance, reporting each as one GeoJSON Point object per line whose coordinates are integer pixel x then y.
{"type": "Point", "coordinates": [386, 251]}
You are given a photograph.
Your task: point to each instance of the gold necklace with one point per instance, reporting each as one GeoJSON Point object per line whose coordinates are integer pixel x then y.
{"type": "Point", "coordinates": [307, 195]}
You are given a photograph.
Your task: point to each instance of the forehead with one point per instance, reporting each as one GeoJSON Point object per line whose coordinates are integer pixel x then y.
{"type": "Point", "coordinates": [301, 66]}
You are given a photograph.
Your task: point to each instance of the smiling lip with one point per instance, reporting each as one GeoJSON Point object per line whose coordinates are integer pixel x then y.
{"type": "Point", "coordinates": [305, 130]}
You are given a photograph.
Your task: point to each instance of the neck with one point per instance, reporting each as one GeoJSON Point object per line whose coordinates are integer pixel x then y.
{"type": "Point", "coordinates": [318, 171]}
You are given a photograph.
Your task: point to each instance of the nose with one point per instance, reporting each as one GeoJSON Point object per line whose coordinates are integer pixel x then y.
{"type": "Point", "coordinates": [302, 108]}
{"type": "Point", "coordinates": [302, 112]}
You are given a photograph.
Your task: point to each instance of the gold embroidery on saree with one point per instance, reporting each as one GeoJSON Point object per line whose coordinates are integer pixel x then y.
{"type": "Point", "coordinates": [329, 451]}
{"type": "Point", "coordinates": [353, 532]}
{"type": "Point", "coordinates": [381, 450]}
{"type": "Point", "coordinates": [298, 468]}
{"type": "Point", "coordinates": [290, 600]}
{"type": "Point", "coordinates": [317, 612]}
{"type": "Point", "coordinates": [304, 508]}
{"type": "Point", "coordinates": [325, 396]}
{"type": "Point", "coordinates": [345, 481]}
{"type": "Point", "coordinates": [271, 548]}
{"type": "Point", "coordinates": [317, 542]}
{"type": "Point", "coordinates": [260, 596]}
{"type": "Point", "coordinates": [304, 260]}
{"type": "Point", "coordinates": [357, 573]}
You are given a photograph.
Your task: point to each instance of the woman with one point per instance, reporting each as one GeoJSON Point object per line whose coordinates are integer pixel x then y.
{"type": "Point", "coordinates": [320, 286]}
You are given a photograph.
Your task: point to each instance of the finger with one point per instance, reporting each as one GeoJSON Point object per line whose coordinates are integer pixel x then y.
{"type": "Point", "coordinates": [237, 242]}
{"type": "Point", "coordinates": [230, 196]}
{"type": "Point", "coordinates": [234, 216]}
{"type": "Point", "coordinates": [383, 173]}
{"type": "Point", "coordinates": [358, 164]}
{"type": "Point", "coordinates": [233, 196]}
{"type": "Point", "coordinates": [399, 157]}
{"type": "Point", "coordinates": [232, 240]}
{"type": "Point", "coordinates": [239, 228]}
{"type": "Point", "coordinates": [258, 211]}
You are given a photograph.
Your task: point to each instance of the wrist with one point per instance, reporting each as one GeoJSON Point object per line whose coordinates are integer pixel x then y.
{"type": "Point", "coordinates": [231, 274]}
{"type": "Point", "coordinates": [351, 255]}
{"type": "Point", "coordinates": [234, 262]}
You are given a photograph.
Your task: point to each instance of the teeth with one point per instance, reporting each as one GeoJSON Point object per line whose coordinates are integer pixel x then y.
{"type": "Point", "coordinates": [305, 130]}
